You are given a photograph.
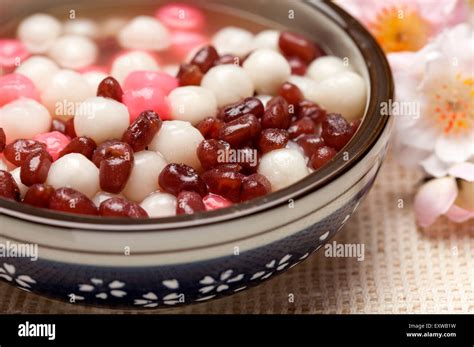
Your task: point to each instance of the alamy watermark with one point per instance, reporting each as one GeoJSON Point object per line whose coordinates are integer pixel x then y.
{"type": "Point", "coordinates": [19, 250]}
{"type": "Point", "coordinates": [400, 108]}
{"type": "Point", "coordinates": [237, 156]}
{"type": "Point", "coordinates": [345, 250]}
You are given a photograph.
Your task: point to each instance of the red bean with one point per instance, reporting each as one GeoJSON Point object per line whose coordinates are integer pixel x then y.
{"type": "Point", "coordinates": [248, 158]}
{"type": "Point", "coordinates": [312, 110]}
{"type": "Point", "coordinates": [296, 45]}
{"type": "Point", "coordinates": [175, 178]}
{"type": "Point", "coordinates": [302, 126]}
{"type": "Point", "coordinates": [292, 94]}
{"type": "Point", "coordinates": [276, 114]}
{"type": "Point", "coordinates": [336, 131]}
{"type": "Point", "coordinates": [322, 156]}
{"type": "Point", "coordinates": [230, 167]}
{"type": "Point", "coordinates": [116, 167]}
{"type": "Point", "coordinates": [3, 139]}
{"type": "Point", "coordinates": [189, 75]}
{"type": "Point", "coordinates": [70, 128]}
{"type": "Point", "coordinates": [119, 207]}
{"type": "Point", "coordinates": [72, 201]}
{"type": "Point", "coordinates": [242, 108]}
{"type": "Point", "coordinates": [205, 58]}
{"type": "Point", "coordinates": [35, 168]}
{"type": "Point", "coordinates": [228, 59]}
{"type": "Point", "coordinates": [298, 66]}
{"type": "Point", "coordinates": [210, 127]}
{"type": "Point", "coordinates": [83, 145]}
{"type": "Point", "coordinates": [189, 203]}
{"type": "Point", "coordinates": [8, 187]}
{"type": "Point", "coordinates": [271, 139]}
{"type": "Point", "coordinates": [212, 153]}
{"type": "Point", "coordinates": [240, 131]}
{"type": "Point", "coordinates": [254, 186]}
{"type": "Point", "coordinates": [39, 195]}
{"type": "Point", "coordinates": [310, 144]}
{"type": "Point", "coordinates": [58, 125]}
{"type": "Point", "coordinates": [110, 88]}
{"type": "Point", "coordinates": [99, 152]}
{"type": "Point", "coordinates": [142, 131]}
{"type": "Point", "coordinates": [17, 151]}
{"type": "Point", "coordinates": [225, 183]}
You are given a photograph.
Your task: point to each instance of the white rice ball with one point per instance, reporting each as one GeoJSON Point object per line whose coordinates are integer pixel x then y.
{"type": "Point", "coordinates": [67, 89]}
{"type": "Point", "coordinates": [146, 33]}
{"type": "Point", "coordinates": [325, 67]}
{"type": "Point", "coordinates": [74, 51]}
{"type": "Point", "coordinates": [283, 167]}
{"type": "Point", "coordinates": [159, 205]}
{"type": "Point", "coordinates": [23, 119]}
{"type": "Point", "coordinates": [144, 177]}
{"type": "Point", "coordinates": [229, 83]}
{"type": "Point", "coordinates": [267, 69]}
{"type": "Point", "coordinates": [344, 93]}
{"type": "Point", "coordinates": [16, 176]}
{"type": "Point", "coordinates": [38, 69]}
{"type": "Point", "coordinates": [81, 26]}
{"type": "Point", "coordinates": [94, 78]}
{"type": "Point", "coordinates": [171, 70]}
{"type": "Point", "coordinates": [75, 171]}
{"type": "Point", "coordinates": [233, 40]}
{"type": "Point", "coordinates": [192, 104]}
{"type": "Point", "coordinates": [267, 39]}
{"type": "Point", "coordinates": [305, 84]}
{"type": "Point", "coordinates": [101, 196]}
{"type": "Point", "coordinates": [111, 26]}
{"type": "Point", "coordinates": [177, 141]}
{"type": "Point", "coordinates": [264, 99]}
{"type": "Point", "coordinates": [133, 61]}
{"type": "Point", "coordinates": [38, 32]}
{"type": "Point", "coordinates": [101, 119]}
{"type": "Point", "coordinates": [3, 165]}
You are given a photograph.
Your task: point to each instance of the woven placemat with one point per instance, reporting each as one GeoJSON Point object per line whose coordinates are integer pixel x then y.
{"type": "Point", "coordinates": [405, 269]}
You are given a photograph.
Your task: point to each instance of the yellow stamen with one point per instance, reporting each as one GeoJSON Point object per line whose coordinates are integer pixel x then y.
{"type": "Point", "coordinates": [400, 29]}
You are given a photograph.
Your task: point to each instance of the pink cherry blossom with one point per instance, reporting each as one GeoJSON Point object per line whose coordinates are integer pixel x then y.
{"type": "Point", "coordinates": [442, 195]}
{"type": "Point", "coordinates": [406, 25]}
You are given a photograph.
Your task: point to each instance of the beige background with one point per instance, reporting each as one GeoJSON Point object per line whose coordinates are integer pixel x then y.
{"type": "Point", "coordinates": [406, 269]}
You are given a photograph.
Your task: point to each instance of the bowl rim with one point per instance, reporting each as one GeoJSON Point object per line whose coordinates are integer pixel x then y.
{"type": "Point", "coordinates": [369, 132]}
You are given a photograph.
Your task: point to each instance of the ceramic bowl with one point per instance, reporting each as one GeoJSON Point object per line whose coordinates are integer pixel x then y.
{"type": "Point", "coordinates": [189, 259]}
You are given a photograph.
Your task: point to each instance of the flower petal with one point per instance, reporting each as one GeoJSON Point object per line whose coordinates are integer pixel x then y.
{"type": "Point", "coordinates": [26, 278]}
{"type": "Point", "coordinates": [86, 287]}
{"type": "Point", "coordinates": [207, 280]}
{"type": "Point", "coordinates": [435, 167]}
{"type": "Point", "coordinates": [207, 289]}
{"type": "Point", "coordinates": [451, 149]}
{"type": "Point", "coordinates": [171, 284]}
{"type": "Point", "coordinates": [464, 171]}
{"type": "Point", "coordinates": [150, 296]}
{"type": "Point", "coordinates": [116, 284]}
{"type": "Point", "coordinates": [458, 214]}
{"type": "Point", "coordinates": [118, 293]}
{"type": "Point", "coordinates": [434, 198]}
{"type": "Point", "coordinates": [226, 274]}
{"type": "Point", "coordinates": [10, 268]}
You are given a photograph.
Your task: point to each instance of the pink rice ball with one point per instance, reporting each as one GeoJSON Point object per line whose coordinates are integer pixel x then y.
{"type": "Point", "coordinates": [215, 202]}
{"type": "Point", "coordinates": [54, 141]}
{"type": "Point", "coordinates": [12, 53]}
{"type": "Point", "coordinates": [147, 98]}
{"type": "Point", "coordinates": [181, 17]}
{"type": "Point", "coordinates": [140, 79]}
{"type": "Point", "coordinates": [183, 42]}
{"type": "Point", "coordinates": [15, 86]}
